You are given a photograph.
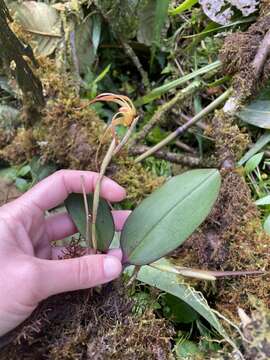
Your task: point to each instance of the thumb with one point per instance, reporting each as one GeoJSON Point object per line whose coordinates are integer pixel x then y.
{"type": "Point", "coordinates": [57, 276]}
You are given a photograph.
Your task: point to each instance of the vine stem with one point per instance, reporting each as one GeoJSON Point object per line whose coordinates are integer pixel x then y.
{"type": "Point", "coordinates": [214, 104]}
{"type": "Point", "coordinates": [103, 168]}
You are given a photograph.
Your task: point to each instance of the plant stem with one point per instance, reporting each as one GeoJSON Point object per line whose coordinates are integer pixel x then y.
{"type": "Point", "coordinates": [187, 125]}
{"type": "Point", "coordinates": [86, 208]}
{"type": "Point", "coordinates": [163, 109]}
{"type": "Point", "coordinates": [103, 168]}
{"type": "Point", "coordinates": [127, 136]}
{"type": "Point", "coordinates": [157, 92]}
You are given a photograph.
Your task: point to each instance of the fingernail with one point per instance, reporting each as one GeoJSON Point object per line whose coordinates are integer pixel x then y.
{"type": "Point", "coordinates": [112, 267]}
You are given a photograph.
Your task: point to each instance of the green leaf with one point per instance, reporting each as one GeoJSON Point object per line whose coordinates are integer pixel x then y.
{"type": "Point", "coordinates": [186, 5]}
{"type": "Point", "coordinates": [173, 284]}
{"type": "Point", "coordinates": [152, 18]}
{"type": "Point", "coordinates": [179, 311]}
{"type": "Point", "coordinates": [161, 14]}
{"type": "Point", "coordinates": [85, 53]}
{"type": "Point", "coordinates": [102, 74]}
{"type": "Point", "coordinates": [22, 184]}
{"type": "Point", "coordinates": [104, 225]}
{"type": "Point", "coordinates": [40, 171]}
{"type": "Point", "coordinates": [157, 92]}
{"type": "Point", "coordinates": [42, 21]}
{"type": "Point", "coordinates": [164, 220]}
{"type": "Point", "coordinates": [24, 171]}
{"type": "Point", "coordinates": [260, 143]}
{"type": "Point", "coordinates": [9, 173]}
{"type": "Point", "coordinates": [186, 349]}
{"type": "Point", "coordinates": [96, 33]}
{"type": "Point", "coordinates": [146, 23]}
{"type": "Point", "coordinates": [257, 113]}
{"type": "Point", "coordinates": [266, 225]}
{"type": "Point", "coordinates": [253, 162]}
{"type": "Point", "coordinates": [263, 201]}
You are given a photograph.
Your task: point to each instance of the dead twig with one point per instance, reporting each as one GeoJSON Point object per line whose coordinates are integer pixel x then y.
{"type": "Point", "coordinates": [175, 158]}
{"type": "Point", "coordinates": [262, 54]}
{"type": "Point", "coordinates": [237, 99]}
{"type": "Point", "coordinates": [181, 145]}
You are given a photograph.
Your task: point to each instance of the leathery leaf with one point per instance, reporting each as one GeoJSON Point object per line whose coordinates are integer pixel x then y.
{"type": "Point", "coordinates": [104, 225]}
{"type": "Point", "coordinates": [169, 216]}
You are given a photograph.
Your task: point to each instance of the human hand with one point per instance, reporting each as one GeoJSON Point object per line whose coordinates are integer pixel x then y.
{"type": "Point", "coordinates": [28, 271]}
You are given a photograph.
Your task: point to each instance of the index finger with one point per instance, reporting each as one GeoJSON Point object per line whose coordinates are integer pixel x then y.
{"type": "Point", "coordinates": [53, 190]}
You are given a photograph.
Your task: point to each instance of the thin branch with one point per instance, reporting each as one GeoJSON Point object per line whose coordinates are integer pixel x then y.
{"type": "Point", "coordinates": [236, 100]}
{"type": "Point", "coordinates": [163, 109]}
{"type": "Point", "coordinates": [175, 158]}
{"type": "Point", "coordinates": [181, 145]}
{"type": "Point", "coordinates": [262, 54]}
{"type": "Point", "coordinates": [131, 53]}
{"type": "Point", "coordinates": [187, 125]}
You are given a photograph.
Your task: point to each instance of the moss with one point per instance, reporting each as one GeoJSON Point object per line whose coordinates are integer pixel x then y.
{"type": "Point", "coordinates": [136, 179]}
{"type": "Point", "coordinates": [231, 239]}
{"type": "Point", "coordinates": [237, 54]}
{"type": "Point", "coordinates": [230, 141]}
{"type": "Point", "coordinates": [82, 325]}
{"type": "Point", "coordinates": [68, 134]}
{"type": "Point", "coordinates": [21, 148]}
{"type": "Point", "coordinates": [264, 7]}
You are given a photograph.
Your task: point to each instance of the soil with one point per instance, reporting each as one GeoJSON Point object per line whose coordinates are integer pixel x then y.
{"type": "Point", "coordinates": [89, 324]}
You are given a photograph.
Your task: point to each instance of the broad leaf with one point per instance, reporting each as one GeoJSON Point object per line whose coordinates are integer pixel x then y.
{"type": "Point", "coordinates": [104, 226]}
{"type": "Point", "coordinates": [42, 21]}
{"type": "Point", "coordinates": [186, 349]}
{"type": "Point", "coordinates": [178, 311]}
{"type": "Point", "coordinates": [260, 143]}
{"type": "Point", "coordinates": [40, 171]}
{"type": "Point", "coordinates": [85, 51]}
{"type": "Point", "coordinates": [253, 162]}
{"type": "Point", "coordinates": [186, 5]}
{"type": "Point", "coordinates": [173, 284]}
{"type": "Point", "coordinates": [257, 113]}
{"type": "Point", "coordinates": [169, 216]}
{"type": "Point", "coordinates": [163, 89]}
{"type": "Point", "coordinates": [152, 18]}
{"type": "Point", "coordinates": [263, 201]}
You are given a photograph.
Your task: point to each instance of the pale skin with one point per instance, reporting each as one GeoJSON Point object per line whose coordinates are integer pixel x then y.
{"type": "Point", "coordinates": [30, 269]}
